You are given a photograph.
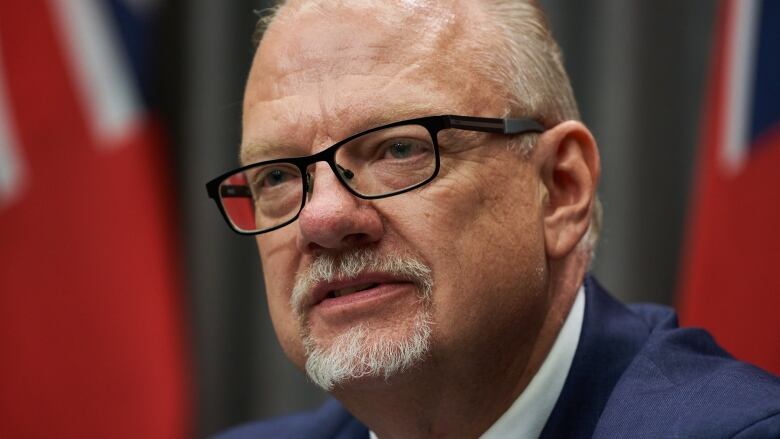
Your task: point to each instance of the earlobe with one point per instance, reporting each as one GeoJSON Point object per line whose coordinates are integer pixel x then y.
{"type": "Point", "coordinates": [570, 170]}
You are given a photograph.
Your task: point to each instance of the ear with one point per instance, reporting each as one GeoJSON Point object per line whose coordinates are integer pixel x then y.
{"type": "Point", "coordinates": [570, 169]}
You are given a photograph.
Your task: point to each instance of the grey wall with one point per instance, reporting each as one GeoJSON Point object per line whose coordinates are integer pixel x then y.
{"type": "Point", "coordinates": [639, 73]}
{"type": "Point", "coordinates": [638, 69]}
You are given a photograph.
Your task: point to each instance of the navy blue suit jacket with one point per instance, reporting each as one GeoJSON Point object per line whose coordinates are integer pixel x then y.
{"type": "Point", "coordinates": [635, 374]}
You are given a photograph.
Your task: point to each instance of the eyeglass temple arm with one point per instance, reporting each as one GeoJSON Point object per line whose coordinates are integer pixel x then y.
{"type": "Point", "coordinates": [234, 191]}
{"type": "Point", "coordinates": [490, 125]}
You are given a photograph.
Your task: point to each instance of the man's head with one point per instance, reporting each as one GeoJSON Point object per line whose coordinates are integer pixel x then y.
{"type": "Point", "coordinates": [468, 268]}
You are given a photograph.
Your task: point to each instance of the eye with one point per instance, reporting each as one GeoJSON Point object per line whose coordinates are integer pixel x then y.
{"type": "Point", "coordinates": [273, 177]}
{"type": "Point", "coordinates": [405, 148]}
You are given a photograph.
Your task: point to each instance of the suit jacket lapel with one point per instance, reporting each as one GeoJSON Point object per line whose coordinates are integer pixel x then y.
{"type": "Point", "coordinates": [611, 337]}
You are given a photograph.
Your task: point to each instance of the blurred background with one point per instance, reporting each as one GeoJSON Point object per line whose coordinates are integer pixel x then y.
{"type": "Point", "coordinates": [129, 309]}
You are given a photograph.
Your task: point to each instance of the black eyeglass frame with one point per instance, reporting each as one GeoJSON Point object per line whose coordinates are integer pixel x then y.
{"type": "Point", "coordinates": [433, 124]}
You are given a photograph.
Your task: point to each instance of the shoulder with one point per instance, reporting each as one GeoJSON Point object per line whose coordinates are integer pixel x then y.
{"type": "Point", "coordinates": [329, 421]}
{"type": "Point", "coordinates": [682, 384]}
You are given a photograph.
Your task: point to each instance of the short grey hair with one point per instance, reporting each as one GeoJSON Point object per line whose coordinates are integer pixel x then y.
{"type": "Point", "coordinates": [533, 74]}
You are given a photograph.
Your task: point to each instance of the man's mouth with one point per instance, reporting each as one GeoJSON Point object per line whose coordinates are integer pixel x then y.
{"type": "Point", "coordinates": [338, 291]}
{"type": "Point", "coordinates": [350, 290]}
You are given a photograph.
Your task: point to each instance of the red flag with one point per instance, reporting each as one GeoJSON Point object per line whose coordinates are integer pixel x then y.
{"type": "Point", "coordinates": [731, 278]}
{"type": "Point", "coordinates": [91, 343]}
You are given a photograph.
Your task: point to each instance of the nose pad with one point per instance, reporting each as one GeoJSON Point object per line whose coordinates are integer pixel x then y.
{"type": "Point", "coordinates": [309, 185]}
{"type": "Point", "coordinates": [346, 173]}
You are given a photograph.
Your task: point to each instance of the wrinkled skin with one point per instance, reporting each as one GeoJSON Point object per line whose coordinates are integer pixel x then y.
{"type": "Point", "coordinates": [493, 226]}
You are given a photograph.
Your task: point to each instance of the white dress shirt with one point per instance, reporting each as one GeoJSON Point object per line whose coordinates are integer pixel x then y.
{"type": "Point", "coordinates": [527, 416]}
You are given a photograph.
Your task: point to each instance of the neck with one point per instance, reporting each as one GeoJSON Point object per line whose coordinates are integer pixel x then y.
{"type": "Point", "coordinates": [464, 396]}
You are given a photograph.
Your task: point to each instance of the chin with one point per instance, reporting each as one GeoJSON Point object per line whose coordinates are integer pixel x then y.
{"type": "Point", "coordinates": [363, 356]}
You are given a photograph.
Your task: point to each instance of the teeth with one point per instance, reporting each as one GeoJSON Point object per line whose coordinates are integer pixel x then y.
{"type": "Point", "coordinates": [352, 289]}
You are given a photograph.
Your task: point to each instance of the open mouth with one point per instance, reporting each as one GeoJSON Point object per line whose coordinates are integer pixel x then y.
{"type": "Point", "coordinates": [350, 290]}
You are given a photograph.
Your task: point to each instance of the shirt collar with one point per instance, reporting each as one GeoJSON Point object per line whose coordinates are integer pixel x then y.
{"type": "Point", "coordinates": [528, 414]}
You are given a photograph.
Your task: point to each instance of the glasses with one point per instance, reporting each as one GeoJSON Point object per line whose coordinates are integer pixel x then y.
{"type": "Point", "coordinates": [377, 163]}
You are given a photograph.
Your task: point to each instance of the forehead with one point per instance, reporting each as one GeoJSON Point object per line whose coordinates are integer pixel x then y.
{"type": "Point", "coordinates": [321, 74]}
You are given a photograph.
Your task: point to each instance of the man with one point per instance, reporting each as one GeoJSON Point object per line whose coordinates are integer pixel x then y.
{"type": "Point", "coordinates": [424, 200]}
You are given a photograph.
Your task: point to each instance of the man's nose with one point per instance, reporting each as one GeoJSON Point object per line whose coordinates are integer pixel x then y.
{"type": "Point", "coordinates": [333, 218]}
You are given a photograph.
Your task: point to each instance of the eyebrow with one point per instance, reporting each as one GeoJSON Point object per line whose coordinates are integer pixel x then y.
{"type": "Point", "coordinates": [397, 114]}
{"type": "Point", "coordinates": [260, 151]}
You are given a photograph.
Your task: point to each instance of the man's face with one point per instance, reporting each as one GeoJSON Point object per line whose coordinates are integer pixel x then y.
{"type": "Point", "coordinates": [318, 78]}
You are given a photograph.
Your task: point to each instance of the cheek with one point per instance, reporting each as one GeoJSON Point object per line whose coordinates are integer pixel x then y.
{"type": "Point", "coordinates": [489, 219]}
{"type": "Point", "coordinates": [280, 263]}
{"type": "Point", "coordinates": [486, 249]}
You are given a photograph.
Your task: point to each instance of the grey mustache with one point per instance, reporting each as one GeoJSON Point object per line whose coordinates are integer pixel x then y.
{"type": "Point", "coordinates": [351, 264]}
